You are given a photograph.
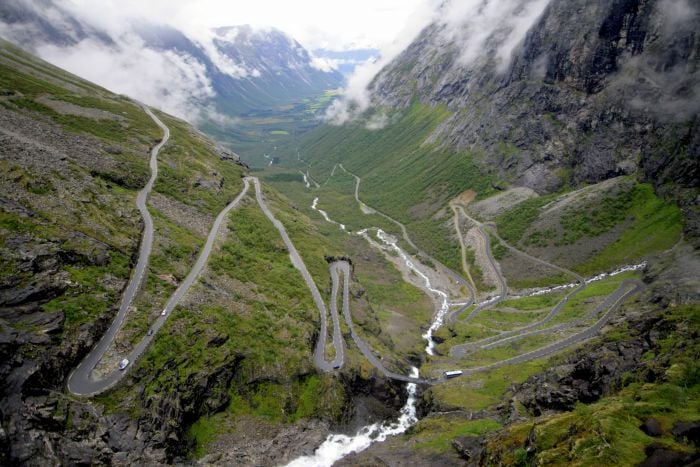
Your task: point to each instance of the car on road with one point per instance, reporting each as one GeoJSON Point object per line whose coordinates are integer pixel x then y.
{"type": "Point", "coordinates": [150, 332]}
{"type": "Point", "coordinates": [336, 367]}
{"type": "Point", "coordinates": [124, 363]}
{"type": "Point", "coordinates": [453, 374]}
{"type": "Point", "coordinates": [164, 312]}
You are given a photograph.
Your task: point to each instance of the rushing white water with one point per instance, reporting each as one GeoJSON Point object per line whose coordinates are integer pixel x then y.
{"type": "Point", "coordinates": [444, 306]}
{"type": "Point", "coordinates": [325, 214]}
{"type": "Point", "coordinates": [488, 301]}
{"type": "Point", "coordinates": [335, 447]}
{"type": "Point", "coordinates": [634, 267]}
{"type": "Point", "coordinates": [439, 320]}
{"type": "Point", "coordinates": [546, 290]}
{"type": "Point", "coordinates": [306, 180]}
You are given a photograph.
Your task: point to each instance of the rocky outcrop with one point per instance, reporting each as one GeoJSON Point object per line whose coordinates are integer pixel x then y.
{"type": "Point", "coordinates": [60, 430]}
{"type": "Point", "coordinates": [228, 155]}
{"type": "Point", "coordinates": [40, 425]}
{"type": "Point", "coordinates": [659, 455]}
{"type": "Point", "coordinates": [170, 411]}
{"type": "Point", "coordinates": [470, 448]}
{"type": "Point", "coordinates": [369, 400]}
{"type": "Point", "coordinates": [586, 376]}
{"type": "Point", "coordinates": [266, 444]}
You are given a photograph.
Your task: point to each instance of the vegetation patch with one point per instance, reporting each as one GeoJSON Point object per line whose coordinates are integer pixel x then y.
{"type": "Point", "coordinates": [80, 307]}
{"type": "Point", "coordinates": [192, 171]}
{"type": "Point", "coordinates": [591, 296]}
{"type": "Point", "coordinates": [513, 223]}
{"type": "Point", "coordinates": [655, 226]}
{"type": "Point", "coordinates": [609, 432]}
{"type": "Point", "coordinates": [435, 434]}
{"type": "Point", "coordinates": [482, 390]}
{"type": "Point", "coordinates": [387, 157]}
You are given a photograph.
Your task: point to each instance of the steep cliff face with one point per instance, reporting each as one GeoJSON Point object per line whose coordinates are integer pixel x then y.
{"type": "Point", "coordinates": [592, 90]}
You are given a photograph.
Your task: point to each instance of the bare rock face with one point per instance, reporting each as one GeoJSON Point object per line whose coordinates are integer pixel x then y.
{"type": "Point", "coordinates": [470, 448]}
{"type": "Point", "coordinates": [651, 427]}
{"type": "Point", "coordinates": [594, 90]}
{"type": "Point", "coordinates": [256, 444]}
{"type": "Point", "coordinates": [660, 456]}
{"type": "Point", "coordinates": [587, 376]}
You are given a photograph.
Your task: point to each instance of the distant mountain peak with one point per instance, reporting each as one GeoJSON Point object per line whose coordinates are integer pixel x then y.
{"type": "Point", "coordinates": [232, 69]}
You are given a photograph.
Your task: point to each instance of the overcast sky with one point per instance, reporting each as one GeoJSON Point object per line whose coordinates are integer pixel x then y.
{"type": "Point", "coordinates": [334, 24]}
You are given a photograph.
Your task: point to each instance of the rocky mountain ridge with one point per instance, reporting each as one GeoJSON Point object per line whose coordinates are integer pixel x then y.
{"type": "Point", "coordinates": [593, 90]}
{"type": "Point", "coordinates": [247, 69]}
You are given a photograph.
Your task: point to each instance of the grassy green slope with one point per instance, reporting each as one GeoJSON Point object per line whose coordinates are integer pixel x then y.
{"type": "Point", "coordinates": [402, 175]}
{"type": "Point", "coordinates": [82, 203]}
{"type": "Point", "coordinates": [625, 223]}
{"type": "Point", "coordinates": [72, 160]}
{"type": "Point", "coordinates": [194, 182]}
{"type": "Point", "coordinates": [608, 432]}
{"type": "Point", "coordinates": [588, 230]}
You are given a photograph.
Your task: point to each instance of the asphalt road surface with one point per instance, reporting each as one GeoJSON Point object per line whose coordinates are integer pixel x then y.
{"type": "Point", "coordinates": [627, 288]}
{"type": "Point", "coordinates": [344, 267]}
{"type": "Point", "coordinates": [612, 302]}
{"type": "Point", "coordinates": [319, 352]}
{"type": "Point", "coordinates": [80, 381]}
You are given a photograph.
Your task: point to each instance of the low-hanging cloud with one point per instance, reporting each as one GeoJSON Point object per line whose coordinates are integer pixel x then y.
{"type": "Point", "coordinates": [207, 39]}
{"type": "Point", "coordinates": [484, 30]}
{"type": "Point", "coordinates": [377, 121]}
{"type": "Point", "coordinates": [677, 14]}
{"type": "Point", "coordinates": [665, 85]}
{"type": "Point", "coordinates": [356, 98]}
{"type": "Point", "coordinates": [113, 55]}
{"type": "Point", "coordinates": [323, 64]}
{"type": "Point", "coordinates": [489, 29]}
{"type": "Point", "coordinates": [170, 81]}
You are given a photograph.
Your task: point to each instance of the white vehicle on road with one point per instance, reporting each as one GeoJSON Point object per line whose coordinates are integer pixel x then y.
{"type": "Point", "coordinates": [453, 374]}
{"type": "Point", "coordinates": [124, 363]}
{"type": "Point", "coordinates": [164, 312]}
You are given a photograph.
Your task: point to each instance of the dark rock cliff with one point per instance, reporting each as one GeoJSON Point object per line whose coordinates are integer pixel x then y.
{"type": "Point", "coordinates": [594, 89]}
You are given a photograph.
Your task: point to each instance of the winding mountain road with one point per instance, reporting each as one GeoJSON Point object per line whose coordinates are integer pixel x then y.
{"type": "Point", "coordinates": [502, 286]}
{"type": "Point", "coordinates": [319, 352]}
{"type": "Point", "coordinates": [404, 233]}
{"type": "Point", "coordinates": [344, 267]}
{"type": "Point", "coordinates": [80, 381]}
{"type": "Point", "coordinates": [617, 297]}
{"type": "Point", "coordinates": [462, 350]}
{"type": "Point", "coordinates": [611, 303]}
{"type": "Point", "coordinates": [526, 332]}
{"type": "Point", "coordinates": [534, 328]}
{"type": "Point", "coordinates": [462, 246]}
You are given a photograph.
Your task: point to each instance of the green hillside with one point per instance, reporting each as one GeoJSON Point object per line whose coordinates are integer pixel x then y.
{"type": "Point", "coordinates": [73, 159]}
